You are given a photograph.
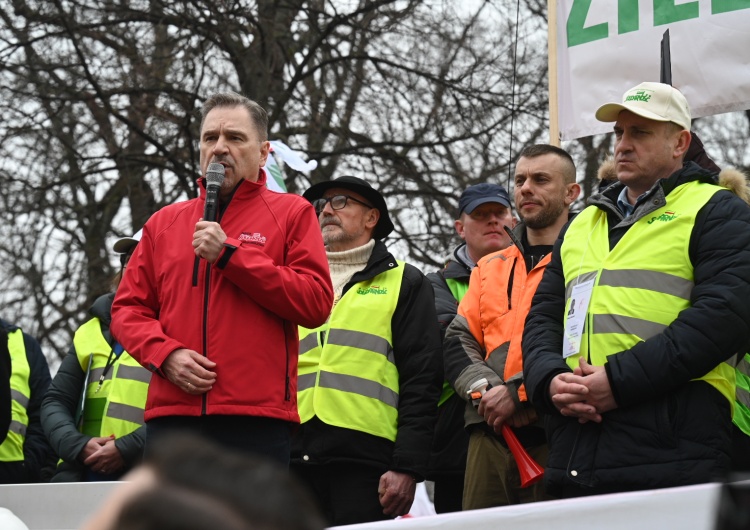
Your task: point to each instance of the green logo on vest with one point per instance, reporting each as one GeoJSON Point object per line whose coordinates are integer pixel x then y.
{"type": "Point", "coordinates": [373, 289]}
{"type": "Point", "coordinates": [664, 218]}
{"type": "Point", "coordinates": [640, 95]}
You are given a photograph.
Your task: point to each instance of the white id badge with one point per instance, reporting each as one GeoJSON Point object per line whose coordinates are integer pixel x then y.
{"type": "Point", "coordinates": [576, 317]}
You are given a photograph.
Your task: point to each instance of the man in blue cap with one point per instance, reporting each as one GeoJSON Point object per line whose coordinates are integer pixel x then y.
{"type": "Point", "coordinates": [483, 213]}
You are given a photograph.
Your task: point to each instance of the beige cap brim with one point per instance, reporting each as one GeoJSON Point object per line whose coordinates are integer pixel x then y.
{"type": "Point", "coordinates": [610, 111]}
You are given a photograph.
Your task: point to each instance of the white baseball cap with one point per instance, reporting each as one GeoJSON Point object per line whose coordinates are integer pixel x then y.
{"type": "Point", "coordinates": [655, 101]}
{"type": "Point", "coordinates": [125, 244]}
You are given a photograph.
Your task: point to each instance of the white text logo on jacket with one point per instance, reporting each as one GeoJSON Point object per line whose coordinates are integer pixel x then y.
{"type": "Point", "coordinates": [255, 239]}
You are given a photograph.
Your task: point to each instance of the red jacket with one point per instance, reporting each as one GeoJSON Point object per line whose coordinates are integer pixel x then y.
{"type": "Point", "coordinates": [242, 312]}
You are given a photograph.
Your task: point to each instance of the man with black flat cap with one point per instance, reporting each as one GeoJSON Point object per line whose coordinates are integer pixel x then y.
{"type": "Point", "coordinates": [370, 377]}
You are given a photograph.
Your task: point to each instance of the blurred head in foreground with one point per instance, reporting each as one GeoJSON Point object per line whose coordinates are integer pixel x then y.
{"type": "Point", "coordinates": [189, 483]}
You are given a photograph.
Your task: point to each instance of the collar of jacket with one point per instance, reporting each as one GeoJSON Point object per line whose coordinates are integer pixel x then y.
{"type": "Point", "coordinates": [518, 235]}
{"type": "Point", "coordinates": [380, 261]}
{"type": "Point", "coordinates": [7, 326]}
{"type": "Point", "coordinates": [102, 308]}
{"type": "Point", "coordinates": [243, 190]}
{"type": "Point", "coordinates": [655, 198]}
{"type": "Point", "coordinates": [456, 268]}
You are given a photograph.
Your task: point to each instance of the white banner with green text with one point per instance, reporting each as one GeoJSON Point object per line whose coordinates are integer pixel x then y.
{"type": "Point", "coordinates": [605, 47]}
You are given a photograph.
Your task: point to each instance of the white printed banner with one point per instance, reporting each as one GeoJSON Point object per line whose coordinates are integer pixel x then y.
{"type": "Point", "coordinates": [605, 47]}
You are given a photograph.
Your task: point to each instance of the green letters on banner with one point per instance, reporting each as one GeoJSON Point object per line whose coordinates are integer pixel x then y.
{"type": "Point", "coordinates": [724, 6]}
{"type": "Point", "coordinates": [665, 12]}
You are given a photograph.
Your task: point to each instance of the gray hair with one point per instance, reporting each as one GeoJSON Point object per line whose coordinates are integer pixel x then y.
{"type": "Point", "coordinates": [257, 113]}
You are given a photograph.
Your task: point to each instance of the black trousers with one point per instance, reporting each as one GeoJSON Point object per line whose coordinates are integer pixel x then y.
{"type": "Point", "coordinates": [267, 437]}
{"type": "Point", "coordinates": [449, 493]}
{"type": "Point", "coordinates": [347, 493]}
{"type": "Point", "coordinates": [740, 450]}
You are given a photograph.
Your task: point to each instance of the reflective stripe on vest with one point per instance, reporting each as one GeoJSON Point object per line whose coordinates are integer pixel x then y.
{"type": "Point", "coordinates": [643, 283]}
{"type": "Point", "coordinates": [122, 394]}
{"type": "Point", "coordinates": [11, 449]}
{"type": "Point", "coordinates": [347, 375]}
{"type": "Point", "coordinates": [742, 395]}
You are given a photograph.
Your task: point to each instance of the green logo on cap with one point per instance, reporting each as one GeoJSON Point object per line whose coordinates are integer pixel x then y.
{"type": "Point", "coordinates": [640, 95]}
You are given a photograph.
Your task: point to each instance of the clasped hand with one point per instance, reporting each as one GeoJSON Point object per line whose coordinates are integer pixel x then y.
{"type": "Point", "coordinates": [101, 455]}
{"type": "Point", "coordinates": [584, 394]}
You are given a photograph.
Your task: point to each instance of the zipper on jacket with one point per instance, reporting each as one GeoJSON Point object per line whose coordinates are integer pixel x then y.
{"type": "Point", "coordinates": [196, 266]}
{"type": "Point", "coordinates": [206, 293]}
{"type": "Point", "coordinates": [205, 328]}
{"type": "Point", "coordinates": [510, 283]}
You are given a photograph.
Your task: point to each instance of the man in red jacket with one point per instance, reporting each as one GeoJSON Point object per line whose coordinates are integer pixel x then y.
{"type": "Point", "coordinates": [212, 308]}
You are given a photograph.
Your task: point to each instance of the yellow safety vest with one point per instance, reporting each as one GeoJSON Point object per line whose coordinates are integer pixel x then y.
{"type": "Point", "coordinates": [347, 375]}
{"type": "Point", "coordinates": [115, 407]}
{"type": "Point", "coordinates": [742, 395]}
{"type": "Point", "coordinates": [11, 449]}
{"type": "Point", "coordinates": [643, 283]}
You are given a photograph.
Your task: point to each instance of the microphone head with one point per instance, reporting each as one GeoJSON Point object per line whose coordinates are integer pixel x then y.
{"type": "Point", "coordinates": [214, 175]}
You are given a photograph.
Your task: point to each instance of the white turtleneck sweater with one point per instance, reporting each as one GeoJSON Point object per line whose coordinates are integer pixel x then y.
{"type": "Point", "coordinates": [343, 265]}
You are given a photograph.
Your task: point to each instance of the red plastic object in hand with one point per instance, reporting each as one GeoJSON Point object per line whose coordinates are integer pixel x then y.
{"type": "Point", "coordinates": [531, 472]}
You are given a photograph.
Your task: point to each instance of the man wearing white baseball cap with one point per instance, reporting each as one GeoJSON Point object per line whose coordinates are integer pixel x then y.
{"type": "Point", "coordinates": [627, 343]}
{"type": "Point", "coordinates": [655, 101]}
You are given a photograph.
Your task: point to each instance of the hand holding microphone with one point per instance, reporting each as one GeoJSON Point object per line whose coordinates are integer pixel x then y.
{"type": "Point", "coordinates": [208, 237]}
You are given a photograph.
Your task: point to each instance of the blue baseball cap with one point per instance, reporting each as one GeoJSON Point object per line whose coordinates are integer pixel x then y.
{"type": "Point", "coordinates": [479, 194]}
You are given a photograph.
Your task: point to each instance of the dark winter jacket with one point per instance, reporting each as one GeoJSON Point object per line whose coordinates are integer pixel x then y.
{"type": "Point", "coordinates": [36, 450]}
{"type": "Point", "coordinates": [446, 304]}
{"type": "Point", "coordinates": [63, 397]}
{"type": "Point", "coordinates": [666, 430]}
{"type": "Point", "coordinates": [416, 346]}
{"type": "Point", "coordinates": [450, 445]}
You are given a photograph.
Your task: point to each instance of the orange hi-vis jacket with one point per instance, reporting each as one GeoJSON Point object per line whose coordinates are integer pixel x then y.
{"type": "Point", "coordinates": [490, 323]}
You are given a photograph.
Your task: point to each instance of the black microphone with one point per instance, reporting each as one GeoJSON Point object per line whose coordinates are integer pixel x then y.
{"type": "Point", "coordinates": [214, 178]}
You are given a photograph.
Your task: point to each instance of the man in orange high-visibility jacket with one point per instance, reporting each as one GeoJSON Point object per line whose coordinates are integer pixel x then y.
{"type": "Point", "coordinates": [484, 340]}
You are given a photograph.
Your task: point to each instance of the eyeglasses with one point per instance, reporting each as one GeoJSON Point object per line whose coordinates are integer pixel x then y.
{"type": "Point", "coordinates": [337, 202]}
